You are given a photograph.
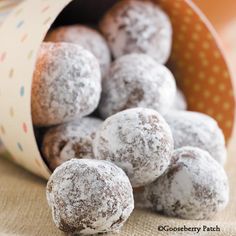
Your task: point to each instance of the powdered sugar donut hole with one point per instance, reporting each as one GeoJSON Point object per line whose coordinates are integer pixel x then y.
{"type": "Point", "coordinates": [89, 197]}
{"type": "Point", "coordinates": [66, 84]}
{"type": "Point", "coordinates": [139, 141]}
{"type": "Point", "coordinates": [88, 38]}
{"type": "Point", "coordinates": [138, 27]}
{"type": "Point", "coordinates": [180, 102]}
{"type": "Point", "coordinates": [70, 140]}
{"type": "Point", "coordinates": [195, 186]}
{"type": "Point", "coordinates": [197, 130]}
{"type": "Point", "coordinates": [136, 80]}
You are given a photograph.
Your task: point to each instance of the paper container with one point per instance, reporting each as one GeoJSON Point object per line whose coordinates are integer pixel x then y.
{"type": "Point", "coordinates": [223, 17]}
{"type": "Point", "coordinates": [197, 62]}
{"type": "Point", "coordinates": [5, 8]}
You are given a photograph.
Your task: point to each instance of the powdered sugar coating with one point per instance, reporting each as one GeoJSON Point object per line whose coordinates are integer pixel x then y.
{"type": "Point", "coordinates": [180, 102]}
{"type": "Point", "coordinates": [66, 84]}
{"type": "Point", "coordinates": [88, 38]}
{"type": "Point", "coordinates": [70, 140]}
{"type": "Point", "coordinates": [197, 130]}
{"type": "Point", "coordinates": [89, 196]}
{"type": "Point", "coordinates": [195, 186]}
{"type": "Point", "coordinates": [136, 80]}
{"type": "Point", "coordinates": [139, 141]}
{"type": "Point", "coordinates": [138, 27]}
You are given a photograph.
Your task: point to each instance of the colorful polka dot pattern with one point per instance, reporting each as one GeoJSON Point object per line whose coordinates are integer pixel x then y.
{"type": "Point", "coordinates": [22, 39]}
{"type": "Point", "coordinates": [199, 66]}
{"type": "Point", "coordinates": [196, 61]}
{"type": "Point", "coordinates": [6, 7]}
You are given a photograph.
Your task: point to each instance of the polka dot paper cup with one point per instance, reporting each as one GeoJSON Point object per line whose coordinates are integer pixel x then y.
{"type": "Point", "coordinates": [5, 8]}
{"type": "Point", "coordinates": [197, 62]}
{"type": "Point", "coordinates": [222, 16]}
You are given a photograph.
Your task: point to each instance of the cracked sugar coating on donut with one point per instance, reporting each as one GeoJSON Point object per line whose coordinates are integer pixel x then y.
{"type": "Point", "coordinates": [138, 27]}
{"type": "Point", "coordinates": [180, 102]}
{"type": "Point", "coordinates": [197, 130]}
{"type": "Point", "coordinates": [139, 141]}
{"type": "Point", "coordinates": [88, 38]}
{"type": "Point", "coordinates": [66, 84]}
{"type": "Point", "coordinates": [89, 196]}
{"type": "Point", "coordinates": [136, 80]}
{"type": "Point", "coordinates": [70, 140]}
{"type": "Point", "coordinates": [195, 186]}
